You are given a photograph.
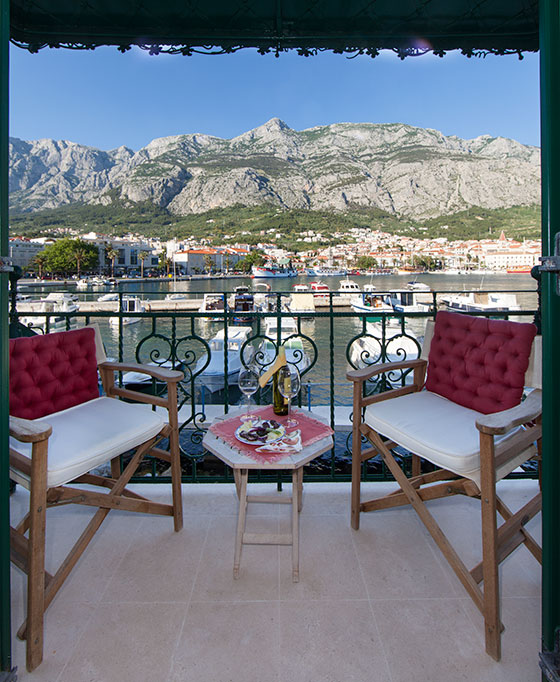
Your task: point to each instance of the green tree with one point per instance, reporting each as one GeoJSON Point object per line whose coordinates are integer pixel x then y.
{"type": "Point", "coordinates": [365, 262]}
{"type": "Point", "coordinates": [255, 257]}
{"type": "Point", "coordinates": [68, 255]}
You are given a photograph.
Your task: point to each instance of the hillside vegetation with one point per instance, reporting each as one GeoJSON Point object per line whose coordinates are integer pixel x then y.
{"type": "Point", "coordinates": [251, 225]}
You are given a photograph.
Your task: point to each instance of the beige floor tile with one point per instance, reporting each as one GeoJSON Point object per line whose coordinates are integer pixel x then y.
{"type": "Point", "coordinates": [519, 573]}
{"type": "Point", "coordinates": [229, 642]}
{"type": "Point", "coordinates": [521, 641]}
{"type": "Point", "coordinates": [64, 624]}
{"type": "Point", "coordinates": [396, 559]}
{"type": "Point", "coordinates": [433, 640]}
{"type": "Point", "coordinates": [328, 563]}
{"type": "Point", "coordinates": [331, 641]}
{"type": "Point", "coordinates": [258, 575]}
{"type": "Point", "coordinates": [126, 642]}
{"type": "Point", "coordinates": [160, 564]}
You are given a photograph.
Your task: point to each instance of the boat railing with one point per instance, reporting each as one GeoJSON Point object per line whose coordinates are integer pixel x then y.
{"type": "Point", "coordinates": [181, 337]}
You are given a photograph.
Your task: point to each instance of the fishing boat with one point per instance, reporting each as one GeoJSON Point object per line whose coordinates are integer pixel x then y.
{"type": "Point", "coordinates": [213, 376]}
{"type": "Point", "coordinates": [129, 305]}
{"type": "Point", "coordinates": [410, 300]}
{"type": "Point", "coordinates": [272, 270]}
{"type": "Point", "coordinates": [293, 344]}
{"type": "Point", "coordinates": [371, 302]}
{"type": "Point", "coordinates": [320, 291]}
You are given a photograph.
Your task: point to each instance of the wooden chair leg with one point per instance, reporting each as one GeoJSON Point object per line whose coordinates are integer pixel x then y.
{"type": "Point", "coordinates": [356, 458]}
{"type": "Point", "coordinates": [175, 454]}
{"type": "Point", "coordinates": [36, 556]}
{"type": "Point", "coordinates": [490, 560]}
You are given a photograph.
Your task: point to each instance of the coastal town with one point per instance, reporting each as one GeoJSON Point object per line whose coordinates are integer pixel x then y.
{"type": "Point", "coordinates": [363, 250]}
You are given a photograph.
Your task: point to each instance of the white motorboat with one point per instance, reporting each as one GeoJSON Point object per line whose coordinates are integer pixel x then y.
{"type": "Point", "coordinates": [108, 297]}
{"type": "Point", "coordinates": [213, 303]}
{"type": "Point", "coordinates": [368, 350]}
{"type": "Point", "coordinates": [83, 284]}
{"type": "Point", "coordinates": [176, 297]}
{"type": "Point", "coordinates": [55, 302]}
{"type": "Point", "coordinates": [293, 344]}
{"type": "Point", "coordinates": [129, 306]}
{"type": "Point", "coordinates": [480, 302]}
{"type": "Point", "coordinates": [99, 282]}
{"type": "Point", "coordinates": [326, 271]}
{"type": "Point", "coordinates": [242, 302]}
{"type": "Point", "coordinates": [213, 376]}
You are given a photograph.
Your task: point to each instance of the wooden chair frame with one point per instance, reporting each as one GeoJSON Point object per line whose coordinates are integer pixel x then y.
{"type": "Point", "coordinates": [28, 553]}
{"type": "Point", "coordinates": [497, 542]}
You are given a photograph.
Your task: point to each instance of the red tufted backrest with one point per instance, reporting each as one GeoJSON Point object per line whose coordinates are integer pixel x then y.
{"type": "Point", "coordinates": [51, 372]}
{"type": "Point", "coordinates": [479, 363]}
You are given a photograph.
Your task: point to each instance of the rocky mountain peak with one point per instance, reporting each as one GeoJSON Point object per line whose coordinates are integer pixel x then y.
{"type": "Point", "coordinates": [396, 167]}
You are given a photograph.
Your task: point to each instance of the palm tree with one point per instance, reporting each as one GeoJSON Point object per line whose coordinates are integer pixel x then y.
{"type": "Point", "coordinates": [80, 254]}
{"type": "Point", "coordinates": [40, 261]}
{"type": "Point", "coordinates": [142, 257]}
{"type": "Point", "coordinates": [208, 263]}
{"type": "Point", "coordinates": [112, 255]}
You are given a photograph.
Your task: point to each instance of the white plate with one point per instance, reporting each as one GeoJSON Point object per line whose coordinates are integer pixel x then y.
{"type": "Point", "coordinates": [263, 440]}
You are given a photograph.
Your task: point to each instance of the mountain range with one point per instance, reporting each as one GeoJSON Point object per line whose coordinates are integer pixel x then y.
{"type": "Point", "coordinates": [403, 170]}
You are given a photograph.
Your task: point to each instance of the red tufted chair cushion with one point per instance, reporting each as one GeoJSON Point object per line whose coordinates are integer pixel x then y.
{"type": "Point", "coordinates": [479, 363]}
{"type": "Point", "coordinates": [51, 372]}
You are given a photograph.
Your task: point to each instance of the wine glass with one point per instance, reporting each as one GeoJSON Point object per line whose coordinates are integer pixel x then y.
{"type": "Point", "coordinates": [289, 383]}
{"type": "Point", "coordinates": [248, 382]}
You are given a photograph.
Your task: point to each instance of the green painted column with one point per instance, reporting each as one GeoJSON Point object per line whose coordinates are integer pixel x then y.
{"type": "Point", "coordinates": [5, 637]}
{"type": "Point", "coordinates": [550, 142]}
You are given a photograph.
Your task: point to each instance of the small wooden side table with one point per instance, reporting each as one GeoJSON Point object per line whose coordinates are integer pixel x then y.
{"type": "Point", "coordinates": [242, 463]}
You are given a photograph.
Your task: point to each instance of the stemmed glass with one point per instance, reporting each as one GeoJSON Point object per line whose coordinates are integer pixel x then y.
{"type": "Point", "coordinates": [248, 382]}
{"type": "Point", "coordinates": [289, 383]}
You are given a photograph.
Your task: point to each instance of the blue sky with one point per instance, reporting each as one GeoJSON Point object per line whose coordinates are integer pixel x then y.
{"type": "Point", "coordinates": [106, 99]}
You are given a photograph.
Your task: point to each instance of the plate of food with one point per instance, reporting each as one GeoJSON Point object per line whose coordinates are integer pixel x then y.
{"type": "Point", "coordinates": [260, 431]}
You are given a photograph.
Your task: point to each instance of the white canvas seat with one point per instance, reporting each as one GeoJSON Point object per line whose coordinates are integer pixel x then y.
{"type": "Point", "coordinates": [104, 428]}
{"type": "Point", "coordinates": [438, 430]}
{"type": "Point", "coordinates": [478, 362]}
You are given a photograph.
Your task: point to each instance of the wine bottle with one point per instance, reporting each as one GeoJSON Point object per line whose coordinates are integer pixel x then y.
{"type": "Point", "coordinates": [279, 403]}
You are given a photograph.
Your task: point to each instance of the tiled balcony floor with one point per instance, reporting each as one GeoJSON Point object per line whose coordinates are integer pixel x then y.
{"type": "Point", "coordinates": [376, 605]}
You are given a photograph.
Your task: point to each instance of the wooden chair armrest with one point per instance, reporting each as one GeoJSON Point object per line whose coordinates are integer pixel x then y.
{"type": "Point", "coordinates": [161, 373]}
{"type": "Point", "coordinates": [360, 375]}
{"type": "Point", "coordinates": [502, 422]}
{"type": "Point", "coordinates": [28, 431]}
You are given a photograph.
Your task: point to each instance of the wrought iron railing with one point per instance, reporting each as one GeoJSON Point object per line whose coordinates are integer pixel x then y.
{"type": "Point", "coordinates": [323, 344]}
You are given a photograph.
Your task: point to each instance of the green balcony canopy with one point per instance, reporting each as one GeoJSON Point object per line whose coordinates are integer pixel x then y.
{"type": "Point", "coordinates": [407, 26]}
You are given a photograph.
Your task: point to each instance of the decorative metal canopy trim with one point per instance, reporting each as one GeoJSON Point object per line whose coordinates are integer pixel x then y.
{"type": "Point", "coordinates": [352, 27]}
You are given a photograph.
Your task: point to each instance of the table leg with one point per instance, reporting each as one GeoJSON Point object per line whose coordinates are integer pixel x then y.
{"type": "Point", "coordinates": [241, 515]}
{"type": "Point", "coordinates": [295, 524]}
{"type": "Point", "coordinates": [237, 479]}
{"type": "Point", "coordinates": [300, 488]}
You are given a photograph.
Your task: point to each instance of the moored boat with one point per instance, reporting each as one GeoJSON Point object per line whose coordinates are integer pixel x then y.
{"type": "Point", "coordinates": [129, 306]}
{"type": "Point", "coordinates": [272, 270]}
